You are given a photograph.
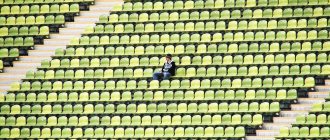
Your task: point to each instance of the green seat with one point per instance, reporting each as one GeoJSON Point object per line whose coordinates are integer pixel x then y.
{"type": "Point", "coordinates": [74, 8]}
{"type": "Point", "coordinates": [128, 6]}
{"type": "Point", "coordinates": [324, 131]}
{"type": "Point", "coordinates": [168, 5]}
{"type": "Point", "coordinates": [103, 18]}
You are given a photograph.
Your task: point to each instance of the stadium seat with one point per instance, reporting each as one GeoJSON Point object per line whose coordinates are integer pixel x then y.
{"type": "Point", "coordinates": [239, 63]}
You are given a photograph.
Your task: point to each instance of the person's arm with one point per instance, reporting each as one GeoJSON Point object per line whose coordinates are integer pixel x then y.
{"type": "Point", "coordinates": [173, 68]}
{"type": "Point", "coordinates": [162, 68]}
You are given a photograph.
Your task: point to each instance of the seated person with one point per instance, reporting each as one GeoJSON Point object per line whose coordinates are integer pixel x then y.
{"type": "Point", "coordinates": [167, 71]}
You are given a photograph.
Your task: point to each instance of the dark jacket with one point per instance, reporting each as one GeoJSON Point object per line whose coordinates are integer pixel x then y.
{"type": "Point", "coordinates": [171, 68]}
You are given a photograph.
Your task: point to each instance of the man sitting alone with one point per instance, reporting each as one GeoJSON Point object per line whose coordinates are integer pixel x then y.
{"type": "Point", "coordinates": [167, 71]}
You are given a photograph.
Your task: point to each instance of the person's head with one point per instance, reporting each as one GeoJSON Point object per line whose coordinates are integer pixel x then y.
{"type": "Point", "coordinates": [168, 57]}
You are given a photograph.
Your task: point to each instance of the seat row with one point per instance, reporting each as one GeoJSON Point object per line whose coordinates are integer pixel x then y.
{"type": "Point", "coordinates": [18, 2]}
{"type": "Point", "coordinates": [36, 9]}
{"type": "Point", "coordinates": [304, 132]}
{"type": "Point", "coordinates": [142, 121]}
{"type": "Point", "coordinates": [312, 119]}
{"type": "Point", "coordinates": [166, 84]}
{"type": "Point", "coordinates": [141, 108]}
{"type": "Point", "coordinates": [203, 37]}
{"type": "Point", "coordinates": [157, 96]}
{"type": "Point", "coordinates": [321, 107]}
{"type": "Point", "coordinates": [193, 49]}
{"type": "Point", "coordinates": [14, 52]}
{"type": "Point", "coordinates": [215, 14]}
{"type": "Point", "coordinates": [226, 60]}
{"type": "Point", "coordinates": [31, 20]}
{"type": "Point", "coordinates": [181, 5]}
{"type": "Point", "coordinates": [207, 26]}
{"type": "Point", "coordinates": [17, 41]}
{"type": "Point", "coordinates": [120, 132]}
{"type": "Point", "coordinates": [240, 71]}
{"type": "Point", "coordinates": [23, 31]}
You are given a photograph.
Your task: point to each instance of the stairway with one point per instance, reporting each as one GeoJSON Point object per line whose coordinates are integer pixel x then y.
{"type": "Point", "coordinates": [57, 40]}
{"type": "Point", "coordinates": [287, 117]}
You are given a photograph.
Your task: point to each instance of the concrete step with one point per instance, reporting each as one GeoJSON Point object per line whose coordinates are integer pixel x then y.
{"type": "Point", "coordinates": [81, 25]}
{"type": "Point", "coordinates": [18, 70]}
{"type": "Point", "coordinates": [288, 120]}
{"type": "Point", "coordinates": [50, 47]}
{"type": "Point", "coordinates": [34, 58]}
{"type": "Point", "coordinates": [3, 92]}
{"type": "Point", "coordinates": [25, 64]}
{"type": "Point", "coordinates": [86, 18]}
{"type": "Point", "coordinates": [8, 81]}
{"type": "Point", "coordinates": [267, 132]}
{"type": "Point", "coordinates": [259, 138]}
{"type": "Point", "coordinates": [71, 30]}
{"type": "Point", "coordinates": [274, 126]}
{"type": "Point", "coordinates": [99, 7]}
{"type": "Point", "coordinates": [301, 107]}
{"type": "Point", "coordinates": [63, 41]}
{"type": "Point", "coordinates": [94, 13]}
{"type": "Point", "coordinates": [327, 82]}
{"type": "Point", "coordinates": [6, 75]}
{"type": "Point", "coordinates": [291, 113]}
{"type": "Point", "coordinates": [60, 36]}
{"type": "Point", "coordinates": [325, 88]}
{"type": "Point", "coordinates": [318, 94]}
{"type": "Point", "coordinates": [108, 2]}
{"type": "Point", "coordinates": [4, 87]}
{"type": "Point", "coordinates": [310, 100]}
{"type": "Point", "coordinates": [41, 53]}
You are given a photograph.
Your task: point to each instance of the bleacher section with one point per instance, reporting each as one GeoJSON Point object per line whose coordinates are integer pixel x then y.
{"type": "Point", "coordinates": [239, 64]}
{"type": "Point", "coordinates": [315, 125]}
{"type": "Point", "coordinates": [32, 21]}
